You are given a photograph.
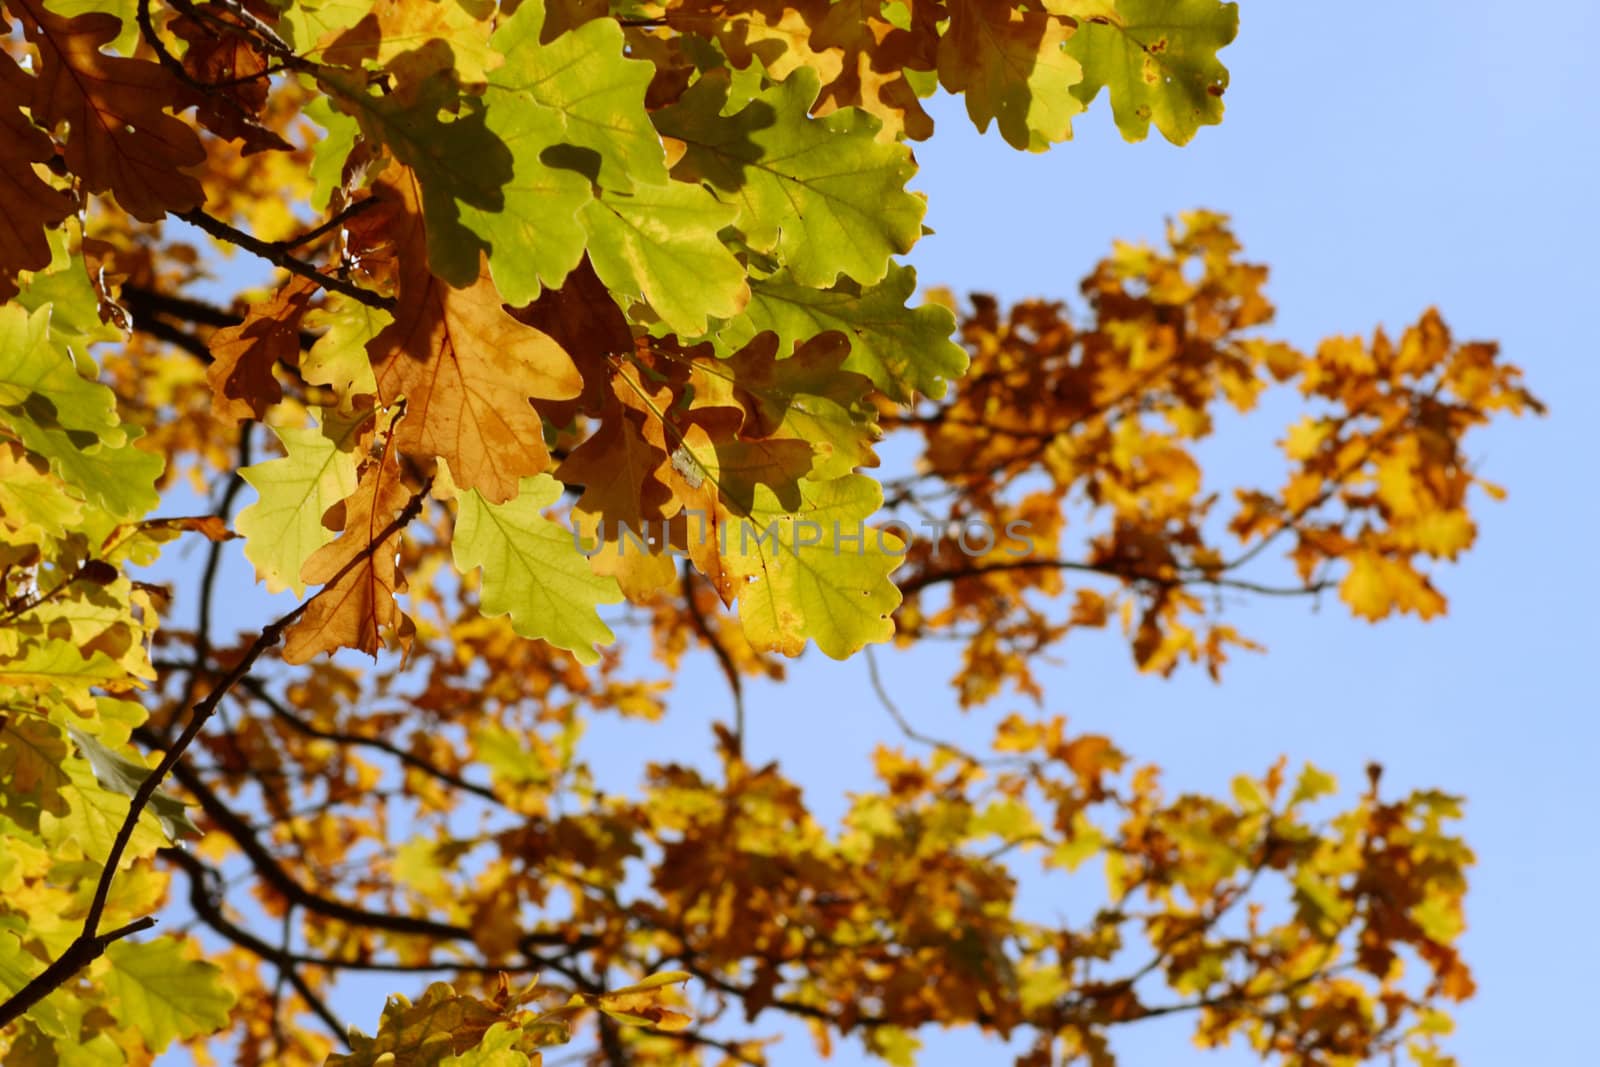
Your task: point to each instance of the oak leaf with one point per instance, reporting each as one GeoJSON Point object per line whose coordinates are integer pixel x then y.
{"type": "Point", "coordinates": [1157, 59]}
{"type": "Point", "coordinates": [1012, 70]}
{"type": "Point", "coordinates": [284, 526]}
{"type": "Point", "coordinates": [241, 374]}
{"type": "Point", "coordinates": [532, 569]}
{"type": "Point", "coordinates": [119, 139]}
{"type": "Point", "coordinates": [823, 193]}
{"type": "Point", "coordinates": [662, 243]}
{"type": "Point", "coordinates": [904, 350]}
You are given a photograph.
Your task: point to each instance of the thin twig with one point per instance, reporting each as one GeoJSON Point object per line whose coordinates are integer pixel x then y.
{"type": "Point", "coordinates": [408, 759]}
{"type": "Point", "coordinates": [208, 578]}
{"type": "Point", "coordinates": [729, 670]}
{"type": "Point", "coordinates": [911, 733]}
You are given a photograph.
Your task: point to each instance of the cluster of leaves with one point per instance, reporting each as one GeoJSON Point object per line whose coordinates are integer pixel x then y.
{"type": "Point", "coordinates": [1099, 420]}
{"type": "Point", "coordinates": [629, 269]}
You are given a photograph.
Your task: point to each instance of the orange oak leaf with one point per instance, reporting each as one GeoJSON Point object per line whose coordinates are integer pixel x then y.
{"type": "Point", "coordinates": [467, 370]}
{"type": "Point", "coordinates": [241, 373]}
{"type": "Point", "coordinates": [119, 137]}
{"type": "Point", "coordinates": [31, 203]}
{"type": "Point", "coordinates": [357, 605]}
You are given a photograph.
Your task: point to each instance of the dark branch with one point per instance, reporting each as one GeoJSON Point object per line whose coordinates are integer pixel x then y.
{"type": "Point", "coordinates": [918, 582]}
{"type": "Point", "coordinates": [409, 759]}
{"type": "Point", "coordinates": [322, 229]}
{"type": "Point", "coordinates": [279, 256]}
{"type": "Point", "coordinates": [84, 950]}
{"type": "Point", "coordinates": [730, 670]}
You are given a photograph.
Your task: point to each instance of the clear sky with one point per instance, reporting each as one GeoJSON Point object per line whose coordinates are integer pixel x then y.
{"type": "Point", "coordinates": [1381, 157]}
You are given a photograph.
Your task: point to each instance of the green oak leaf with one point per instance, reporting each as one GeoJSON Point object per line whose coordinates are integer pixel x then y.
{"type": "Point", "coordinates": [823, 192]}
{"type": "Point", "coordinates": [93, 818]}
{"type": "Point", "coordinates": [339, 357]}
{"type": "Point", "coordinates": [119, 774]}
{"type": "Point", "coordinates": [532, 570]}
{"type": "Point", "coordinates": [814, 582]}
{"type": "Point", "coordinates": [535, 238]}
{"type": "Point", "coordinates": [40, 383]}
{"type": "Point", "coordinates": [303, 23]}
{"type": "Point", "coordinates": [98, 1051]}
{"type": "Point", "coordinates": [32, 503]}
{"type": "Point", "coordinates": [53, 1030]}
{"type": "Point", "coordinates": [43, 664]}
{"type": "Point", "coordinates": [569, 111]}
{"type": "Point", "coordinates": [1157, 59]}
{"type": "Point", "coordinates": [95, 615]}
{"type": "Point", "coordinates": [284, 526]}
{"type": "Point", "coordinates": [328, 155]}
{"type": "Point", "coordinates": [126, 41]}
{"type": "Point", "coordinates": [122, 480]}
{"type": "Point", "coordinates": [32, 750]}
{"type": "Point", "coordinates": [161, 994]}
{"type": "Point", "coordinates": [498, 1049]}
{"type": "Point", "coordinates": [74, 305]}
{"type": "Point", "coordinates": [586, 76]}
{"type": "Point", "coordinates": [904, 350]}
{"type": "Point", "coordinates": [70, 420]}
{"type": "Point", "coordinates": [661, 242]}
{"type": "Point", "coordinates": [17, 966]}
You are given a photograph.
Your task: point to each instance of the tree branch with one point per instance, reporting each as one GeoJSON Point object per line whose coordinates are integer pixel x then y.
{"type": "Point", "coordinates": [84, 950]}
{"type": "Point", "coordinates": [729, 670]}
{"type": "Point", "coordinates": [918, 582]}
{"type": "Point", "coordinates": [272, 872]}
{"type": "Point", "coordinates": [279, 255]}
{"type": "Point", "coordinates": [145, 305]}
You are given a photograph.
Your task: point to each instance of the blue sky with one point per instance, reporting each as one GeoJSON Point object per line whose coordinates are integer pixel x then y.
{"type": "Point", "coordinates": [1381, 158]}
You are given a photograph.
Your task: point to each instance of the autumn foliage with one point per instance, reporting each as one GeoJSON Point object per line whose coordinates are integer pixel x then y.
{"type": "Point", "coordinates": [587, 319]}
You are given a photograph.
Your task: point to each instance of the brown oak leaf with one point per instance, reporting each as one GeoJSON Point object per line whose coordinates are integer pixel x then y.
{"type": "Point", "coordinates": [31, 204]}
{"type": "Point", "coordinates": [119, 137]}
{"type": "Point", "coordinates": [241, 374]}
